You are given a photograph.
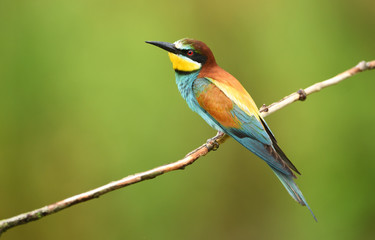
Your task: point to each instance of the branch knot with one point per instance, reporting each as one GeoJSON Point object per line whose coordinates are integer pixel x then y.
{"type": "Point", "coordinates": [302, 95]}
{"type": "Point", "coordinates": [263, 108]}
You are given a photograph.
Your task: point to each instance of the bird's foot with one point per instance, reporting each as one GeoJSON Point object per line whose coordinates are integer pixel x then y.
{"type": "Point", "coordinates": [213, 143]}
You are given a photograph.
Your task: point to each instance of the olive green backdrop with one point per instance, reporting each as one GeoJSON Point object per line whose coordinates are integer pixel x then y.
{"type": "Point", "coordinates": [84, 101]}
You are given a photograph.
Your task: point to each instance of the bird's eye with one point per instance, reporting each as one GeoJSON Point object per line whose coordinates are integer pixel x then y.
{"type": "Point", "coordinates": [190, 53]}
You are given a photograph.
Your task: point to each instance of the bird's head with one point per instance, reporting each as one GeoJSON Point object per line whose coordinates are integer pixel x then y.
{"type": "Point", "coordinates": [187, 55]}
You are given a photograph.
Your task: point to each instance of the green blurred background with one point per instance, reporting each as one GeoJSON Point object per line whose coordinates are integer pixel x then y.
{"type": "Point", "coordinates": [84, 101]}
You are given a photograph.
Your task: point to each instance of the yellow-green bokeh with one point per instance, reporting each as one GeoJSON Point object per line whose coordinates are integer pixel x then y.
{"type": "Point", "coordinates": [84, 101]}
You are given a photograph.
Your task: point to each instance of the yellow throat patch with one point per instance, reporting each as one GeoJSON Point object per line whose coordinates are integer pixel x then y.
{"type": "Point", "coordinates": [183, 64]}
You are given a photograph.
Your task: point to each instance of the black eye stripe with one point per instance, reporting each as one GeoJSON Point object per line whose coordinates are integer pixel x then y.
{"type": "Point", "coordinates": [195, 56]}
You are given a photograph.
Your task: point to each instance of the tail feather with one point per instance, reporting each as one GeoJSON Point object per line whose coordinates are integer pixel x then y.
{"type": "Point", "coordinates": [292, 189]}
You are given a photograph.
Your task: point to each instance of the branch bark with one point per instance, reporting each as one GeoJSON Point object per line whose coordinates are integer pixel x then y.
{"type": "Point", "coordinates": [212, 144]}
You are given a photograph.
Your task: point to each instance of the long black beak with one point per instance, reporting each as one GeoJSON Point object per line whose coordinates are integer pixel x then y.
{"type": "Point", "coordinates": [164, 45]}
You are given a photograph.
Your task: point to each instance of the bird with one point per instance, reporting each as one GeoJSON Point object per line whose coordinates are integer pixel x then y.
{"type": "Point", "coordinates": [221, 100]}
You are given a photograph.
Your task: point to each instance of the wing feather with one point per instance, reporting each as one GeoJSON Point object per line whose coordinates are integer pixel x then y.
{"type": "Point", "coordinates": [241, 122]}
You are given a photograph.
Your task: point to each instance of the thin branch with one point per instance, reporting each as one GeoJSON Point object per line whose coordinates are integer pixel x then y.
{"type": "Point", "coordinates": [212, 144]}
{"type": "Point", "coordinates": [301, 94]}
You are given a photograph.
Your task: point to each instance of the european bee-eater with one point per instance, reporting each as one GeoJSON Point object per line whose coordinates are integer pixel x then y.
{"type": "Point", "coordinates": [225, 105]}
